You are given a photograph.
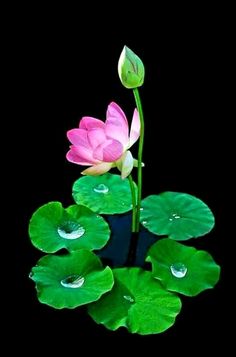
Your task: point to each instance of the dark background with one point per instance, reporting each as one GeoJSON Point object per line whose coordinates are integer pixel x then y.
{"type": "Point", "coordinates": [63, 73]}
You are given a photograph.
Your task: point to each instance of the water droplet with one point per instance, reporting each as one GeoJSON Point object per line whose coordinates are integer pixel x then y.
{"type": "Point", "coordinates": [144, 222]}
{"type": "Point", "coordinates": [31, 274]}
{"type": "Point", "coordinates": [101, 188]}
{"type": "Point", "coordinates": [179, 270]}
{"type": "Point", "coordinates": [73, 281]}
{"type": "Point", "coordinates": [174, 216]}
{"type": "Point", "coordinates": [128, 298]}
{"type": "Point", "coordinates": [70, 230]}
{"type": "Point", "coordinates": [141, 208]}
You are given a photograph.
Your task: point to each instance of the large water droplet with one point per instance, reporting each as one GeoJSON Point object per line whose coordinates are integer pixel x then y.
{"type": "Point", "coordinates": [101, 188]}
{"type": "Point", "coordinates": [31, 274]}
{"type": "Point", "coordinates": [128, 298]}
{"type": "Point", "coordinates": [179, 270]}
{"type": "Point", "coordinates": [70, 230]}
{"type": "Point", "coordinates": [174, 216]}
{"type": "Point", "coordinates": [144, 222]}
{"type": "Point", "coordinates": [73, 281]}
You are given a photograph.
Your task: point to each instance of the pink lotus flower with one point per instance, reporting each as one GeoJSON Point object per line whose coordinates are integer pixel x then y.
{"type": "Point", "coordinates": [104, 145]}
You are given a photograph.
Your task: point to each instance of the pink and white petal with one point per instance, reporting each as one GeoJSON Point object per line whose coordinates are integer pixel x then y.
{"type": "Point", "coordinates": [72, 156]}
{"type": "Point", "coordinates": [96, 137]}
{"type": "Point", "coordinates": [114, 132]}
{"type": "Point", "coordinates": [113, 151]}
{"type": "Point", "coordinates": [109, 151]}
{"type": "Point", "coordinates": [89, 123]}
{"type": "Point", "coordinates": [116, 122]}
{"type": "Point", "coordinates": [79, 137]}
{"type": "Point", "coordinates": [98, 151]}
{"type": "Point", "coordinates": [97, 169]}
{"type": "Point", "coordinates": [127, 164]}
{"type": "Point", "coordinates": [135, 128]}
{"type": "Point", "coordinates": [115, 112]}
{"type": "Point", "coordinates": [85, 154]}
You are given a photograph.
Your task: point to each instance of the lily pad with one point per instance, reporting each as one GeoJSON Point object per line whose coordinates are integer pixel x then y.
{"type": "Point", "coordinates": [182, 269]}
{"type": "Point", "coordinates": [180, 216]}
{"type": "Point", "coordinates": [52, 228]}
{"type": "Point", "coordinates": [137, 302]}
{"type": "Point", "coordinates": [105, 194]}
{"type": "Point", "coordinates": [71, 280]}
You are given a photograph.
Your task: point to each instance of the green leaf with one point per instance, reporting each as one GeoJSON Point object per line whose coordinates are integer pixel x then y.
{"type": "Point", "coordinates": [178, 215]}
{"type": "Point", "coordinates": [71, 280]}
{"type": "Point", "coordinates": [52, 228]}
{"type": "Point", "coordinates": [137, 302]}
{"type": "Point", "coordinates": [106, 194]}
{"type": "Point", "coordinates": [182, 269]}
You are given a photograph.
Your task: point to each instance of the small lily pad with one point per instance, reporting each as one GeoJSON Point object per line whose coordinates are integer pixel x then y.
{"type": "Point", "coordinates": [52, 228]}
{"type": "Point", "coordinates": [71, 280]}
{"type": "Point", "coordinates": [182, 269]}
{"type": "Point", "coordinates": [180, 216]}
{"type": "Point", "coordinates": [105, 194]}
{"type": "Point", "coordinates": [137, 302]}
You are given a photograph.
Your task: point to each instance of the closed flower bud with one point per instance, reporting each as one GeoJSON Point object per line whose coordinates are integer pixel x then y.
{"type": "Point", "coordinates": [131, 69]}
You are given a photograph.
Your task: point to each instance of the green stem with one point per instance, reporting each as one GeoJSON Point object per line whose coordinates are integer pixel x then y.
{"type": "Point", "coordinates": [140, 154]}
{"type": "Point", "coordinates": [132, 189]}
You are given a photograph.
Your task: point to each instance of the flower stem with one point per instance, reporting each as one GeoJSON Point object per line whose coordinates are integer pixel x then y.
{"type": "Point", "coordinates": [140, 154]}
{"type": "Point", "coordinates": [132, 189]}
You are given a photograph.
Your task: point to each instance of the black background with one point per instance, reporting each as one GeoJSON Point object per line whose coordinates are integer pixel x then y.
{"type": "Point", "coordinates": [62, 73]}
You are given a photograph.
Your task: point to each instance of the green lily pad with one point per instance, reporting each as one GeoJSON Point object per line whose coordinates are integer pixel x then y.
{"type": "Point", "coordinates": [178, 215]}
{"type": "Point", "coordinates": [137, 302]}
{"type": "Point", "coordinates": [52, 228]}
{"type": "Point", "coordinates": [71, 280]}
{"type": "Point", "coordinates": [182, 269]}
{"type": "Point", "coordinates": [106, 194]}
